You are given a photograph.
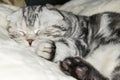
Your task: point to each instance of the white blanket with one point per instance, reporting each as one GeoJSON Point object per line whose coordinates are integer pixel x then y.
{"type": "Point", "coordinates": [20, 63]}
{"type": "Point", "coordinates": [89, 7]}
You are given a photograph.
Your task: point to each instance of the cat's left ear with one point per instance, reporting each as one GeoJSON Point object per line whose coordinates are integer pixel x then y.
{"type": "Point", "coordinates": [16, 16]}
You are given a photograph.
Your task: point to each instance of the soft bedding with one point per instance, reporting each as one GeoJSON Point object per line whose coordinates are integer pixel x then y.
{"type": "Point", "coordinates": [89, 7]}
{"type": "Point", "coordinates": [20, 63]}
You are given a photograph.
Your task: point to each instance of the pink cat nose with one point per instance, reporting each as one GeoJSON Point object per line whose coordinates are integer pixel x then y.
{"type": "Point", "coordinates": [30, 41]}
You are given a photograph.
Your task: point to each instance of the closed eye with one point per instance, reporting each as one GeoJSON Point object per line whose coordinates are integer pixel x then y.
{"type": "Point", "coordinates": [38, 33]}
{"type": "Point", "coordinates": [16, 34]}
{"type": "Point", "coordinates": [22, 33]}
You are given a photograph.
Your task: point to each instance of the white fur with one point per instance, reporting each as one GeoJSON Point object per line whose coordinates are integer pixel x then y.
{"type": "Point", "coordinates": [44, 49]}
{"type": "Point", "coordinates": [104, 59]}
{"type": "Point", "coordinates": [105, 20]}
{"type": "Point", "coordinates": [63, 51]}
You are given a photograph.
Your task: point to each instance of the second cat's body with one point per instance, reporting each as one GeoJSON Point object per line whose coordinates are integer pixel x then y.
{"type": "Point", "coordinates": [102, 52]}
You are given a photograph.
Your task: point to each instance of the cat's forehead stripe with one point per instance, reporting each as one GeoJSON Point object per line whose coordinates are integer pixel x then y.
{"type": "Point", "coordinates": [30, 14]}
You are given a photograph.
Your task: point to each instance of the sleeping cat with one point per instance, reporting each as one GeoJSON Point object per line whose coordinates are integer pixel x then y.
{"type": "Point", "coordinates": [42, 29]}
{"type": "Point", "coordinates": [91, 43]}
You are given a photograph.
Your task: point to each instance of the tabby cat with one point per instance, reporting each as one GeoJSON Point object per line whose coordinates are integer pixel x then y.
{"type": "Point", "coordinates": [90, 44]}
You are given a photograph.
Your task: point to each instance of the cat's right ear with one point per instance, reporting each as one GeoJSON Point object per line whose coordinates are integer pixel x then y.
{"type": "Point", "coordinates": [16, 16]}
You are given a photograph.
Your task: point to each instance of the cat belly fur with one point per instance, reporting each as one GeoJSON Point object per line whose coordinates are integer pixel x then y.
{"type": "Point", "coordinates": [105, 58]}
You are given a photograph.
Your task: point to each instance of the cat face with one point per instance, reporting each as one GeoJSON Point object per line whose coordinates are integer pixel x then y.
{"type": "Point", "coordinates": [31, 24]}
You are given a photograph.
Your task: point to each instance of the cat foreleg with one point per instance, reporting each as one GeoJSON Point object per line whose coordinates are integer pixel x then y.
{"type": "Point", "coordinates": [46, 49]}
{"type": "Point", "coordinates": [57, 50]}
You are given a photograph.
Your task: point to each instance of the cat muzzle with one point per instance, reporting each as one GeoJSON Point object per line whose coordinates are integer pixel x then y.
{"type": "Point", "coordinates": [30, 41]}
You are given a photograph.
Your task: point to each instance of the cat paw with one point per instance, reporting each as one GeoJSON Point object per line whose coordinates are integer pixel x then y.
{"type": "Point", "coordinates": [46, 49]}
{"type": "Point", "coordinates": [75, 67]}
